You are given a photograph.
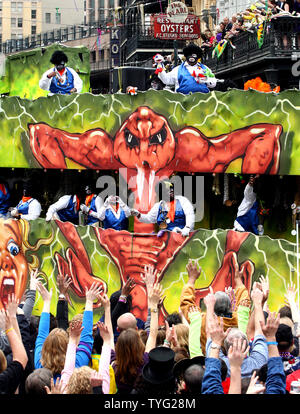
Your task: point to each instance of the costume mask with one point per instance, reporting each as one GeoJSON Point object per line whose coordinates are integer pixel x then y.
{"type": "Point", "coordinates": [192, 59]}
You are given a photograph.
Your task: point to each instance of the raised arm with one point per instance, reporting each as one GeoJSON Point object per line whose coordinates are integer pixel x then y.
{"type": "Point", "coordinates": [63, 284]}
{"type": "Point", "coordinates": [154, 296]}
{"type": "Point", "coordinates": [85, 346]}
{"type": "Point", "coordinates": [187, 298]}
{"type": "Point", "coordinates": [31, 294]}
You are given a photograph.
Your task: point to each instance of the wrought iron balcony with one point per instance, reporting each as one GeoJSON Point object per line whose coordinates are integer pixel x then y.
{"type": "Point", "coordinates": [142, 37]}
{"type": "Point", "coordinates": [281, 40]}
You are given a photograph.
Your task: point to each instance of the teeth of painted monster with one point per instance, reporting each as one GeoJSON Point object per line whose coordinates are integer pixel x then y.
{"type": "Point", "coordinates": [9, 282]}
{"type": "Point", "coordinates": [159, 138]}
{"type": "Point", "coordinates": [129, 138]}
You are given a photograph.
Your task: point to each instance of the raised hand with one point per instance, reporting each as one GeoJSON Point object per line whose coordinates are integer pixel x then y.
{"type": "Point", "coordinates": [270, 328]}
{"type": "Point", "coordinates": [57, 388]}
{"type": "Point", "coordinates": [215, 330]}
{"type": "Point", "coordinates": [171, 336]}
{"type": "Point", "coordinates": [63, 284]}
{"type": "Point", "coordinates": [75, 329]}
{"type": "Point", "coordinates": [237, 352]}
{"type": "Point", "coordinates": [12, 306]}
{"type": "Point", "coordinates": [94, 292]}
{"type": "Point", "coordinates": [193, 271]}
{"type": "Point", "coordinates": [290, 294]}
{"type": "Point", "coordinates": [104, 332]}
{"type": "Point", "coordinates": [45, 294]}
{"type": "Point", "coordinates": [252, 389]}
{"type": "Point", "coordinates": [34, 279]}
{"type": "Point", "coordinates": [210, 300]}
{"type": "Point", "coordinates": [257, 294]}
{"type": "Point", "coordinates": [104, 300]}
{"type": "Point", "coordinates": [127, 287]}
{"type": "Point", "coordinates": [265, 286]}
{"type": "Point", "coordinates": [154, 296]}
{"type": "Point", "coordinates": [149, 276]}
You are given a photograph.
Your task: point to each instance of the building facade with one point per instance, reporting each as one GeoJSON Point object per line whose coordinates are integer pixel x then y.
{"type": "Point", "coordinates": [230, 7]}
{"type": "Point", "coordinates": [20, 19]}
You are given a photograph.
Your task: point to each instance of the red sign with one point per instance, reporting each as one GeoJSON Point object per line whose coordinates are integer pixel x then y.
{"type": "Point", "coordinates": [165, 29]}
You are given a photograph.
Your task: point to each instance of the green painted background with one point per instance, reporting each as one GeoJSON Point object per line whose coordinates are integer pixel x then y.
{"type": "Point", "coordinates": [214, 114]}
{"type": "Point", "coordinates": [23, 70]}
{"type": "Point", "coordinates": [275, 258]}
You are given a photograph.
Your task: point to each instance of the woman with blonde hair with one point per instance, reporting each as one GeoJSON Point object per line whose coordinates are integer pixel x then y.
{"type": "Point", "coordinates": [182, 334]}
{"type": "Point", "coordinates": [54, 351]}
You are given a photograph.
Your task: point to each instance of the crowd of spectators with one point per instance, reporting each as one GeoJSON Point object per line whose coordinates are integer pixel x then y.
{"type": "Point", "coordinates": [248, 21]}
{"type": "Point", "coordinates": [228, 343]}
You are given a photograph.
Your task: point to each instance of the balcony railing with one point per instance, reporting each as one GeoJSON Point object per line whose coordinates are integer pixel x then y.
{"type": "Point", "coordinates": [142, 36]}
{"type": "Point", "coordinates": [282, 39]}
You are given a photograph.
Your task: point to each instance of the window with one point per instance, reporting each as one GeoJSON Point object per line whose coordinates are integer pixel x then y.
{"type": "Point", "coordinates": [33, 30]}
{"type": "Point", "coordinates": [33, 14]}
{"type": "Point", "coordinates": [0, 5]}
{"type": "Point", "coordinates": [20, 22]}
{"type": "Point", "coordinates": [48, 17]}
{"type": "Point", "coordinates": [13, 6]}
{"type": "Point", "coordinates": [58, 18]}
{"type": "Point", "coordinates": [13, 36]}
{"type": "Point", "coordinates": [13, 22]}
{"type": "Point", "coordinates": [0, 21]}
{"type": "Point", "coordinates": [20, 7]}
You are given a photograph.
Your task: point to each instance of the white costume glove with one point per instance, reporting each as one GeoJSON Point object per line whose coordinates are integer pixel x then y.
{"type": "Point", "coordinates": [177, 230]}
{"type": "Point", "coordinates": [135, 212]}
{"type": "Point", "coordinates": [14, 212]}
{"type": "Point", "coordinates": [48, 217]}
{"type": "Point", "coordinates": [185, 231]}
{"type": "Point", "coordinates": [260, 229]}
{"type": "Point", "coordinates": [84, 208]}
{"type": "Point", "coordinates": [211, 83]}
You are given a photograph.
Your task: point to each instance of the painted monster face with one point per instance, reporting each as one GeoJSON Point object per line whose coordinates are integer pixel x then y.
{"type": "Point", "coordinates": [145, 141]}
{"type": "Point", "coordinates": [13, 266]}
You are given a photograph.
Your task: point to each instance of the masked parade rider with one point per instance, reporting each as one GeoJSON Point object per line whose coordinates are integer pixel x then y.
{"type": "Point", "coordinates": [93, 203]}
{"type": "Point", "coordinates": [176, 215]}
{"type": "Point", "coordinates": [191, 76]}
{"type": "Point", "coordinates": [28, 208]}
{"type": "Point", "coordinates": [114, 213]}
{"type": "Point", "coordinates": [4, 199]}
{"type": "Point", "coordinates": [60, 79]}
{"type": "Point", "coordinates": [248, 212]}
{"type": "Point", "coordinates": [65, 209]}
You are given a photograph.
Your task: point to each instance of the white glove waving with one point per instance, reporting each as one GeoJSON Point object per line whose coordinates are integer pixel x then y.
{"type": "Point", "coordinates": [84, 208]}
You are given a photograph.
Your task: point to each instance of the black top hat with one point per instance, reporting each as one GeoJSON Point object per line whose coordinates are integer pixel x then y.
{"type": "Point", "coordinates": [58, 57]}
{"type": "Point", "coordinates": [192, 49]}
{"type": "Point", "coordinates": [181, 366]}
{"type": "Point", "coordinates": [159, 369]}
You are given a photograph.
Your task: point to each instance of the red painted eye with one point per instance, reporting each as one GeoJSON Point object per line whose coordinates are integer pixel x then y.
{"type": "Point", "coordinates": [131, 140]}
{"type": "Point", "coordinates": [159, 137]}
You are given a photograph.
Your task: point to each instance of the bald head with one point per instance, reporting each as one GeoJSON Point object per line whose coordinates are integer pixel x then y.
{"type": "Point", "coordinates": [126, 321]}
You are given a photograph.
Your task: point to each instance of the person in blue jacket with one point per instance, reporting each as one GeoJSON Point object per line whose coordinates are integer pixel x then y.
{"type": "Point", "coordinates": [65, 209]}
{"type": "Point", "coordinates": [248, 212]}
{"type": "Point", "coordinates": [114, 214]}
{"type": "Point", "coordinates": [4, 199]}
{"type": "Point", "coordinates": [176, 215]}
{"type": "Point", "coordinates": [93, 202]}
{"type": "Point", "coordinates": [60, 79]}
{"type": "Point", "coordinates": [28, 208]}
{"type": "Point", "coordinates": [191, 76]}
